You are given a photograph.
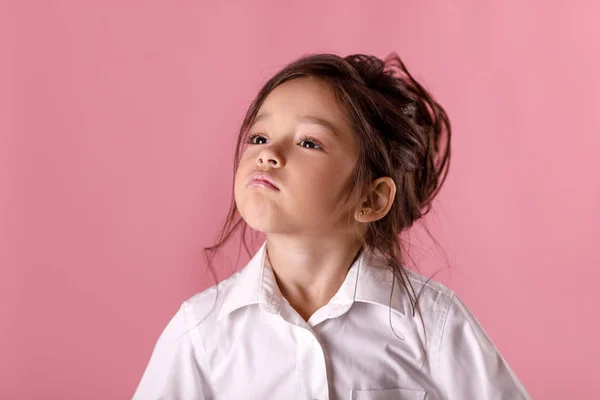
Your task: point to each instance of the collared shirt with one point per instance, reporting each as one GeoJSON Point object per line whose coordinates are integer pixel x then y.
{"type": "Point", "coordinates": [241, 339]}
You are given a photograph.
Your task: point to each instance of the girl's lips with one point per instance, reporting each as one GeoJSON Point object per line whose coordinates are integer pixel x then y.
{"type": "Point", "coordinates": [262, 183]}
{"type": "Point", "coordinates": [262, 179]}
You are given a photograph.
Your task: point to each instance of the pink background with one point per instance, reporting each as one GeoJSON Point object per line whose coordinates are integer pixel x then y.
{"type": "Point", "coordinates": [117, 127]}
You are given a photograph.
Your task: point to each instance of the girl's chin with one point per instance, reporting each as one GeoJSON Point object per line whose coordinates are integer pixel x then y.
{"type": "Point", "coordinates": [267, 224]}
{"type": "Point", "coordinates": [263, 225]}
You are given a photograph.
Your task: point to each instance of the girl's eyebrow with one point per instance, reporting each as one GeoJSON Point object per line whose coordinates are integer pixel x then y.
{"type": "Point", "coordinates": [318, 121]}
{"type": "Point", "coordinates": [303, 119]}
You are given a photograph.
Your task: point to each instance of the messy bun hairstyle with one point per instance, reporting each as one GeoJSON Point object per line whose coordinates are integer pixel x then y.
{"type": "Point", "coordinates": [402, 133]}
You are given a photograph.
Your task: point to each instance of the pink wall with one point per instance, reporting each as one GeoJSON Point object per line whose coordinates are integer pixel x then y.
{"type": "Point", "coordinates": [117, 124]}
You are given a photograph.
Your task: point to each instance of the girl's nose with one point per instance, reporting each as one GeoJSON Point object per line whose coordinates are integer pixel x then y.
{"type": "Point", "coordinates": [268, 156]}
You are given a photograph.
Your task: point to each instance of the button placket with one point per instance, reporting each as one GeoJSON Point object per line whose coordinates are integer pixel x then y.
{"type": "Point", "coordinates": [311, 368]}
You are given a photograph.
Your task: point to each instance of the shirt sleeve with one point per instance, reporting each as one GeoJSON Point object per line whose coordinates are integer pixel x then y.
{"type": "Point", "coordinates": [173, 372]}
{"type": "Point", "coordinates": [470, 366]}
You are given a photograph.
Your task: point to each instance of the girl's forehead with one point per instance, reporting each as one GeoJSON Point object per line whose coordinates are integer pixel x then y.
{"type": "Point", "coordinates": [305, 96]}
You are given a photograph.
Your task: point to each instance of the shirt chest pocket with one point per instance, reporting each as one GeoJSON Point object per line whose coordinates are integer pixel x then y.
{"type": "Point", "coordinates": [387, 394]}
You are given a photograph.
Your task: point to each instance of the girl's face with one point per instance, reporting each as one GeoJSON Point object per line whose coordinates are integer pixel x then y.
{"type": "Point", "coordinates": [302, 139]}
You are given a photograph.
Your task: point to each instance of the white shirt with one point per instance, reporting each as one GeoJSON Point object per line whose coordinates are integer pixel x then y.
{"type": "Point", "coordinates": [251, 344]}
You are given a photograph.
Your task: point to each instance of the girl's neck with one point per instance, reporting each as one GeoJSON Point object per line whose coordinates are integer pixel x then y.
{"type": "Point", "coordinates": [309, 273]}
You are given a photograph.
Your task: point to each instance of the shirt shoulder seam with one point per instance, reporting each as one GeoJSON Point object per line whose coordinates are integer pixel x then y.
{"type": "Point", "coordinates": [452, 296]}
{"type": "Point", "coordinates": [445, 316]}
{"type": "Point", "coordinates": [189, 329]}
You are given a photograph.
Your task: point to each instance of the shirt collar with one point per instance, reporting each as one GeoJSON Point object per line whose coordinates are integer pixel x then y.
{"type": "Point", "coordinates": [368, 280]}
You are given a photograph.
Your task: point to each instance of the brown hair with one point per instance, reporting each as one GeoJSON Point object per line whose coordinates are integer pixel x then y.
{"type": "Point", "coordinates": [402, 133]}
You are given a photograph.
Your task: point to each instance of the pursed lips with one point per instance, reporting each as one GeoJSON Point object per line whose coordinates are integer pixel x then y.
{"type": "Point", "coordinates": [262, 179]}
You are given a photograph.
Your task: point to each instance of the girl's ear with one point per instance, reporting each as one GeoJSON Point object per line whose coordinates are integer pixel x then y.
{"type": "Point", "coordinates": [378, 200]}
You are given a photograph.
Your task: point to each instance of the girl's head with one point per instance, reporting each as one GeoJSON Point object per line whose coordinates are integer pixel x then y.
{"type": "Point", "coordinates": [300, 136]}
{"type": "Point", "coordinates": [340, 136]}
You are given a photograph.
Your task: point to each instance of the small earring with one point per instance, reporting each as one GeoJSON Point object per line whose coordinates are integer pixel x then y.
{"type": "Point", "coordinates": [363, 212]}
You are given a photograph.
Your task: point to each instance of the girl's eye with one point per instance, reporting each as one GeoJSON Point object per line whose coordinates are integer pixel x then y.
{"type": "Point", "coordinates": [308, 139]}
{"type": "Point", "coordinates": [305, 140]}
{"type": "Point", "coordinates": [250, 139]}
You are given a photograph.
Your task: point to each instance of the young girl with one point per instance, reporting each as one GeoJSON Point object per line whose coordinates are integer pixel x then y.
{"type": "Point", "coordinates": [336, 157]}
